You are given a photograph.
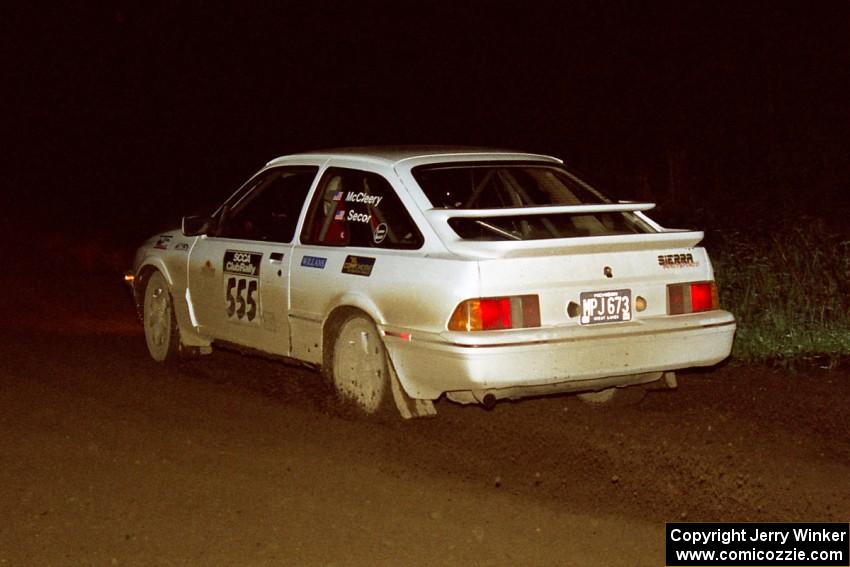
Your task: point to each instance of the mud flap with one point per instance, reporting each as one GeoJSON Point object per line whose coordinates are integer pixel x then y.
{"type": "Point", "coordinates": [666, 382]}
{"type": "Point", "coordinates": [408, 407]}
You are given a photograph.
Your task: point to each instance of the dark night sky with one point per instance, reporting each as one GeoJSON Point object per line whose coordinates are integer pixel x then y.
{"type": "Point", "coordinates": [122, 116]}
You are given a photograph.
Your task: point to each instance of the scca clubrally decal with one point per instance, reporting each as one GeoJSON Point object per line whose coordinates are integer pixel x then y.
{"type": "Point", "coordinates": [358, 265]}
{"type": "Point", "coordinates": [241, 286]}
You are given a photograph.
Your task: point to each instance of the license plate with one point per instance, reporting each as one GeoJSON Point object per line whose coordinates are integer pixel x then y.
{"type": "Point", "coordinates": [606, 306]}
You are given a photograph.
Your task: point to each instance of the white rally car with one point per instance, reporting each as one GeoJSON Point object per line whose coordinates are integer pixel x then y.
{"type": "Point", "coordinates": [409, 273]}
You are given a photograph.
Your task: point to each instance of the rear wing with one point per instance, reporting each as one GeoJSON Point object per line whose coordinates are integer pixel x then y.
{"type": "Point", "coordinates": [661, 237]}
{"type": "Point", "coordinates": [446, 214]}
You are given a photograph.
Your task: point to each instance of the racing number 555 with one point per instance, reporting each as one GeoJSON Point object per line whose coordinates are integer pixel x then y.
{"type": "Point", "coordinates": [242, 303]}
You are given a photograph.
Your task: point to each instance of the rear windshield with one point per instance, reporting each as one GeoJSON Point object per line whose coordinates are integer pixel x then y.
{"type": "Point", "coordinates": [516, 185]}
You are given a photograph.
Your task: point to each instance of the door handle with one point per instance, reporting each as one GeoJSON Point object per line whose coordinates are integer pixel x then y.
{"type": "Point", "coordinates": [276, 257]}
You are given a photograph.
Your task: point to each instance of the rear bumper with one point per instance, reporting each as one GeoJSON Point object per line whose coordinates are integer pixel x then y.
{"type": "Point", "coordinates": [574, 358]}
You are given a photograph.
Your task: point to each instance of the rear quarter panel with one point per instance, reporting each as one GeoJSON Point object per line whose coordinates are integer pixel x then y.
{"type": "Point", "coordinates": [406, 292]}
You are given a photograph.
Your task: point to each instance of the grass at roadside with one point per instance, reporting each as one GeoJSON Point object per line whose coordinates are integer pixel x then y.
{"type": "Point", "coordinates": [788, 283]}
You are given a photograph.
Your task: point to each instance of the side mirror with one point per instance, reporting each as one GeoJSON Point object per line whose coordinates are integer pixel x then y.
{"type": "Point", "coordinates": [195, 226]}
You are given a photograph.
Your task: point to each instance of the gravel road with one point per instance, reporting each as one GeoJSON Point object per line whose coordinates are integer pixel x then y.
{"type": "Point", "coordinates": [107, 458]}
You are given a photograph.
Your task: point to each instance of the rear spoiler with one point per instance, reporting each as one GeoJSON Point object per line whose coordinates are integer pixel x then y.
{"type": "Point", "coordinates": [443, 215]}
{"type": "Point", "coordinates": [663, 238]}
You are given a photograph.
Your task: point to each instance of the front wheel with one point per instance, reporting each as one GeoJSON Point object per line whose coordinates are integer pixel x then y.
{"type": "Point", "coordinates": [161, 334]}
{"type": "Point", "coordinates": [360, 371]}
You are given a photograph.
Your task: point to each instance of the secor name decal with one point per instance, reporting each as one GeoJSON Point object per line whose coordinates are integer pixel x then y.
{"type": "Point", "coordinates": [358, 217]}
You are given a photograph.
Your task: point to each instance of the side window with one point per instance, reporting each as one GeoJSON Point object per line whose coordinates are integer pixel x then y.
{"type": "Point", "coordinates": [358, 208]}
{"type": "Point", "coordinates": [268, 210]}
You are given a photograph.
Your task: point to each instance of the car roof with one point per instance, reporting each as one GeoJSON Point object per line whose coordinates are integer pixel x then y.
{"type": "Point", "coordinates": [392, 155]}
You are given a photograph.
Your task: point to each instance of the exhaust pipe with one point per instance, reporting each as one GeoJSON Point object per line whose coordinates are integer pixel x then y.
{"type": "Point", "coordinates": [488, 400]}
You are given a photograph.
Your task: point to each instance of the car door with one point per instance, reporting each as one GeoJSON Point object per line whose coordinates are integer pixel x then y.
{"type": "Point", "coordinates": [239, 272]}
{"type": "Point", "coordinates": [356, 224]}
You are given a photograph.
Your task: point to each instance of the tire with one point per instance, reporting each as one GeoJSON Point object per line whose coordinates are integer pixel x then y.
{"type": "Point", "coordinates": [359, 369]}
{"type": "Point", "coordinates": [161, 334]}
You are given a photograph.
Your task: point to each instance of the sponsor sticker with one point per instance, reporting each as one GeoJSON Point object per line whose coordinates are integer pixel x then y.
{"type": "Point", "coordinates": [358, 265]}
{"type": "Point", "coordinates": [163, 241]}
{"type": "Point", "coordinates": [380, 233]}
{"type": "Point", "coordinates": [314, 262]}
{"type": "Point", "coordinates": [181, 246]}
{"type": "Point", "coordinates": [337, 196]}
{"type": "Point", "coordinates": [340, 215]}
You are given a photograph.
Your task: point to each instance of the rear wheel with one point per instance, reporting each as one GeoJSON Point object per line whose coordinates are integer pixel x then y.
{"type": "Point", "coordinates": [359, 370]}
{"type": "Point", "coordinates": [161, 334]}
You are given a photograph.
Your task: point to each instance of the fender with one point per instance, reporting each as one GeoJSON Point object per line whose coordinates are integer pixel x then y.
{"type": "Point", "coordinates": [367, 305]}
{"type": "Point", "coordinates": [357, 301]}
{"type": "Point", "coordinates": [188, 333]}
{"type": "Point", "coordinates": [158, 264]}
{"type": "Point", "coordinates": [409, 404]}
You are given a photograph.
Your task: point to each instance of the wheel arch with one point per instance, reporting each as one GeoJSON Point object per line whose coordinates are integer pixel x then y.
{"type": "Point", "coordinates": [189, 337]}
{"type": "Point", "coordinates": [330, 328]}
{"type": "Point", "coordinates": [143, 274]}
{"type": "Point", "coordinates": [406, 406]}
{"type": "Point", "coordinates": [342, 307]}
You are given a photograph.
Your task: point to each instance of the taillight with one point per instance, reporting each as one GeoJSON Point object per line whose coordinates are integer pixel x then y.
{"type": "Point", "coordinates": [493, 313]}
{"type": "Point", "coordinates": [693, 297]}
